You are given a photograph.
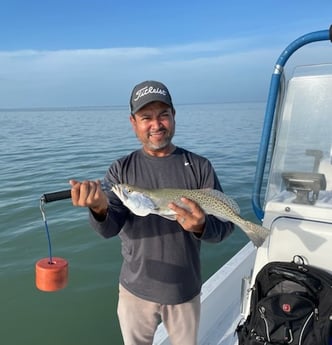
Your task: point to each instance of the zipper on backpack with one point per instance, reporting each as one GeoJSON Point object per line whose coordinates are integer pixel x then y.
{"type": "Point", "coordinates": [315, 312]}
{"type": "Point", "coordinates": [261, 310]}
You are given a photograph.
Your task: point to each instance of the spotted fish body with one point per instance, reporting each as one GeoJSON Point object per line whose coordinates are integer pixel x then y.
{"type": "Point", "coordinates": [143, 202]}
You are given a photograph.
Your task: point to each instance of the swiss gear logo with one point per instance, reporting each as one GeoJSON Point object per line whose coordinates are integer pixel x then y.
{"type": "Point", "coordinates": [286, 307]}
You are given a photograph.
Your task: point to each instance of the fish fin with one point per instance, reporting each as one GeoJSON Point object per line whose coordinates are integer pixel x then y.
{"type": "Point", "coordinates": [138, 212]}
{"type": "Point", "coordinates": [221, 218]}
{"type": "Point", "coordinates": [169, 214]}
{"type": "Point", "coordinates": [169, 217]}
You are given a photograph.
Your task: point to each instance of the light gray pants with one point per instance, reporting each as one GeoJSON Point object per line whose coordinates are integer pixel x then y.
{"type": "Point", "coordinates": [139, 319]}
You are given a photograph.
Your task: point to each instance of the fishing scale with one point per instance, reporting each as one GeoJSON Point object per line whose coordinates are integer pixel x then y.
{"type": "Point", "coordinates": [51, 272]}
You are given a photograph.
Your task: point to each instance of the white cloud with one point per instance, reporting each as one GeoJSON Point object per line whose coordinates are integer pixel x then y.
{"type": "Point", "coordinates": [197, 72]}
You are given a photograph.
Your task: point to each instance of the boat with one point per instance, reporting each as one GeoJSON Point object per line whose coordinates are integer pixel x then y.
{"type": "Point", "coordinates": [292, 193]}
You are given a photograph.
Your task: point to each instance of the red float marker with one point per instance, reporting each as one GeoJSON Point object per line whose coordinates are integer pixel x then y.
{"type": "Point", "coordinates": [51, 273]}
{"type": "Point", "coordinates": [51, 276]}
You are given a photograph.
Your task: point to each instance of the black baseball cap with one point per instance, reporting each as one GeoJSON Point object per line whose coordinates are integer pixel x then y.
{"type": "Point", "coordinates": [149, 91]}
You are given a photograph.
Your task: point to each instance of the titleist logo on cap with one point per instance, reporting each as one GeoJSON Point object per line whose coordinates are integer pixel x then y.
{"type": "Point", "coordinates": [148, 90]}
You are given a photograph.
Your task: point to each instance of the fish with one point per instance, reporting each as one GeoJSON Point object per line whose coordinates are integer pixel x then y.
{"type": "Point", "coordinates": [143, 202]}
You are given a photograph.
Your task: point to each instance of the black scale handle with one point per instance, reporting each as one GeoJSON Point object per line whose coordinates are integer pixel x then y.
{"type": "Point", "coordinates": [55, 196]}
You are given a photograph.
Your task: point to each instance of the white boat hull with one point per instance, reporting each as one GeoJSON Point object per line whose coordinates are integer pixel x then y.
{"type": "Point", "coordinates": [221, 302]}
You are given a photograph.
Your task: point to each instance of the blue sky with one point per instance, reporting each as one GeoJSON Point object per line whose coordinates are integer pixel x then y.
{"type": "Point", "coordinates": [87, 53]}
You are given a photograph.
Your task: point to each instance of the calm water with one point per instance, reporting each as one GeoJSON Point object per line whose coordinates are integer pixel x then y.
{"type": "Point", "coordinates": [39, 152]}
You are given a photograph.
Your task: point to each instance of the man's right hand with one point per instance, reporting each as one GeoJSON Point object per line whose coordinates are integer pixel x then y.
{"type": "Point", "coordinates": [89, 194]}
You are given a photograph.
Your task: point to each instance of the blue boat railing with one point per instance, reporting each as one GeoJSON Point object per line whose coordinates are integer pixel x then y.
{"type": "Point", "coordinates": [316, 36]}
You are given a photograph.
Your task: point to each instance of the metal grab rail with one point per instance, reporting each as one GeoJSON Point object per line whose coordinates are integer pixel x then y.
{"type": "Point", "coordinates": [316, 36]}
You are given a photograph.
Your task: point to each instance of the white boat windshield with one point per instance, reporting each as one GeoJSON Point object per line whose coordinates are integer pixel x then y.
{"type": "Point", "coordinates": [301, 168]}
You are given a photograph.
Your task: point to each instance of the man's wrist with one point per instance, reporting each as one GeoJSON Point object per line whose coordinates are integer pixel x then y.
{"type": "Point", "coordinates": [99, 214]}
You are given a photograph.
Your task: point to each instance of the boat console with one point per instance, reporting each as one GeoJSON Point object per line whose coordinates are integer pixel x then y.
{"type": "Point", "coordinates": [298, 203]}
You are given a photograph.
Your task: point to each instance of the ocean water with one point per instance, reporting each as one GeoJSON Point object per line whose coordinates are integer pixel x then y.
{"type": "Point", "coordinates": [40, 150]}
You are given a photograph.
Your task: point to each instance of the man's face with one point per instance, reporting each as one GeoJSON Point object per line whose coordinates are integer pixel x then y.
{"type": "Point", "coordinates": [154, 126]}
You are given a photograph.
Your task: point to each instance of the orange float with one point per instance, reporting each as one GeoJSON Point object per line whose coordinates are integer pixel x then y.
{"type": "Point", "coordinates": [51, 272]}
{"type": "Point", "coordinates": [51, 275]}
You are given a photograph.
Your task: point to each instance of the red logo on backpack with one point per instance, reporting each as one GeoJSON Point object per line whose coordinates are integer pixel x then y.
{"type": "Point", "coordinates": [286, 307]}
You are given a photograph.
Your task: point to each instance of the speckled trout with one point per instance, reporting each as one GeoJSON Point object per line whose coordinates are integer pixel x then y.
{"type": "Point", "coordinates": [143, 202]}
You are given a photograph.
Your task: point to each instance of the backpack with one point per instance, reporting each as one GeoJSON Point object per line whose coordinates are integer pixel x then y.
{"type": "Point", "coordinates": [291, 303]}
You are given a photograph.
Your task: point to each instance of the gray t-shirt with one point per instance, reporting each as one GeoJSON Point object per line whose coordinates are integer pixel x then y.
{"type": "Point", "coordinates": [161, 261]}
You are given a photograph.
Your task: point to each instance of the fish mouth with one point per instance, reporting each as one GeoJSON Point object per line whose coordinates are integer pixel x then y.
{"type": "Point", "coordinates": [120, 192]}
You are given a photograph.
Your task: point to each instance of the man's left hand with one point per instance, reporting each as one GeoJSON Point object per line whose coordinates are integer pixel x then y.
{"type": "Point", "coordinates": [191, 219]}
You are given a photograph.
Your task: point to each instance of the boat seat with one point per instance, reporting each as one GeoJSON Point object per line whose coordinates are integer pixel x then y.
{"type": "Point", "coordinates": [306, 186]}
{"type": "Point", "coordinates": [325, 167]}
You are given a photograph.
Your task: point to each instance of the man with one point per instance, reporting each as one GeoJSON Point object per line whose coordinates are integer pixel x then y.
{"type": "Point", "coordinates": [160, 277]}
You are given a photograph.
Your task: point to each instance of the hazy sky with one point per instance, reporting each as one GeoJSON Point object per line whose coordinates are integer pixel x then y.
{"type": "Point", "coordinates": [86, 53]}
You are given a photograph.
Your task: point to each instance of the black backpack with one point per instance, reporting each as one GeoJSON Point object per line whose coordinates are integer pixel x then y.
{"type": "Point", "coordinates": [291, 303]}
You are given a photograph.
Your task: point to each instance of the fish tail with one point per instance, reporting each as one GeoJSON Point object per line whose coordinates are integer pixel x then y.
{"type": "Point", "coordinates": [256, 233]}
